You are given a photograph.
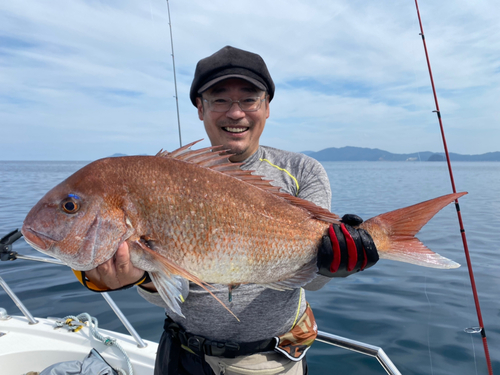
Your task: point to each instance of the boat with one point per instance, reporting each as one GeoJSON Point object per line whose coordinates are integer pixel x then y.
{"type": "Point", "coordinates": [29, 345]}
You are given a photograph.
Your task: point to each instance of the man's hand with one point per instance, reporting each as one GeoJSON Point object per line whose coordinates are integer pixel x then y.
{"type": "Point", "coordinates": [346, 250]}
{"type": "Point", "coordinates": [117, 272]}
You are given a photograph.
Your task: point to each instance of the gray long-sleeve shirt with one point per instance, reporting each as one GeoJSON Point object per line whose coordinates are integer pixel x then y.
{"type": "Point", "coordinates": [263, 312]}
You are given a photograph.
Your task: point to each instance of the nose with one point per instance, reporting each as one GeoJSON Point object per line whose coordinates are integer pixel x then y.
{"type": "Point", "coordinates": [235, 111]}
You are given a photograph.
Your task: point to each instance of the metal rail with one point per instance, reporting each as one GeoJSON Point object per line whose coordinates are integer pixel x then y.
{"type": "Point", "coordinates": [140, 342]}
{"type": "Point", "coordinates": [39, 259]}
{"type": "Point", "coordinates": [124, 320]}
{"type": "Point", "coordinates": [360, 347]}
{"type": "Point", "coordinates": [18, 302]}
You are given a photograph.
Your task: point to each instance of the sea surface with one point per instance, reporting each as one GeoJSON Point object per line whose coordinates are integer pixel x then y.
{"type": "Point", "coordinates": [417, 315]}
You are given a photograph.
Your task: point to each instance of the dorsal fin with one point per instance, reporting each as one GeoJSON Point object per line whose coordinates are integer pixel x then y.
{"type": "Point", "coordinates": [217, 159]}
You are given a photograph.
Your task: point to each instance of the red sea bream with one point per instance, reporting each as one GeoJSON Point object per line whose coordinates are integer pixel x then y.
{"type": "Point", "coordinates": [193, 215]}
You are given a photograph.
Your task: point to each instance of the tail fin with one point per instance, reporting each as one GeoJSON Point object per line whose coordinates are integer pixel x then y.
{"type": "Point", "coordinates": [393, 233]}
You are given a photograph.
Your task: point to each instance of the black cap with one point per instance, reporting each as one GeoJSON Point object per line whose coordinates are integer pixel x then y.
{"type": "Point", "coordinates": [230, 62]}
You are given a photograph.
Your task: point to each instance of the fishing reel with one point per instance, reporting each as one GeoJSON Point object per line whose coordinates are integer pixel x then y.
{"type": "Point", "coordinates": [6, 252]}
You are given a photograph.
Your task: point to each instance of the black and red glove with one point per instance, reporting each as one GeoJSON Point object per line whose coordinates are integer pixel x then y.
{"type": "Point", "coordinates": [346, 250]}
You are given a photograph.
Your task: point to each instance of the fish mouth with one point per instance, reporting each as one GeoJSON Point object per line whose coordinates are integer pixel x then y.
{"type": "Point", "coordinates": [235, 129]}
{"type": "Point", "coordinates": [37, 240]}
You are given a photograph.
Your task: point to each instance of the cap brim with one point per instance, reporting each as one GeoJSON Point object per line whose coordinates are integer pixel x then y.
{"type": "Point", "coordinates": [212, 82]}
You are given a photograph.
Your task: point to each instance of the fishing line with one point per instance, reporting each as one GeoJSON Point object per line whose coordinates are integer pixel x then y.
{"type": "Point", "coordinates": [470, 324]}
{"type": "Point", "coordinates": [468, 301]}
{"type": "Point", "coordinates": [474, 353]}
{"type": "Point", "coordinates": [462, 230]}
{"type": "Point", "coordinates": [151, 11]}
{"type": "Point", "coordinates": [175, 76]}
{"type": "Point", "coordinates": [428, 320]}
{"type": "Point", "coordinates": [429, 326]}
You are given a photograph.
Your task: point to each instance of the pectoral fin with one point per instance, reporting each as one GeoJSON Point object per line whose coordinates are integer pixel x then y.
{"type": "Point", "coordinates": [171, 289]}
{"type": "Point", "coordinates": [170, 279]}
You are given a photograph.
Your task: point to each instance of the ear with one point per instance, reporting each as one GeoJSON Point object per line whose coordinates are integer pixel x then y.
{"type": "Point", "coordinates": [268, 110]}
{"type": "Point", "coordinates": [199, 105]}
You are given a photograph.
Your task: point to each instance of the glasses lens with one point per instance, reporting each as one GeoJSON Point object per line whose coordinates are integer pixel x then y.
{"type": "Point", "coordinates": [220, 104]}
{"type": "Point", "coordinates": [250, 104]}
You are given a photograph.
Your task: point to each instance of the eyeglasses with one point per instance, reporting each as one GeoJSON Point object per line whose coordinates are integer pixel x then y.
{"type": "Point", "coordinates": [250, 104]}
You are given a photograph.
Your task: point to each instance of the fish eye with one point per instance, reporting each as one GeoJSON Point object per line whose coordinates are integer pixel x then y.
{"type": "Point", "coordinates": [70, 205]}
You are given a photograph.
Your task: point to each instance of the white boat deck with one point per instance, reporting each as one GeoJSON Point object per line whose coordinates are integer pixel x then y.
{"type": "Point", "coordinates": [28, 347]}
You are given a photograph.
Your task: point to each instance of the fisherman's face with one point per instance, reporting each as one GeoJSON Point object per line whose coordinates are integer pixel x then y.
{"type": "Point", "coordinates": [236, 130]}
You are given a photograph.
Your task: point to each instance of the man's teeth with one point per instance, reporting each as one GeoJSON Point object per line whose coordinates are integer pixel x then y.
{"type": "Point", "coordinates": [235, 130]}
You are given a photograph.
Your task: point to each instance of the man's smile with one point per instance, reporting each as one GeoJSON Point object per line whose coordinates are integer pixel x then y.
{"type": "Point", "coordinates": [235, 129]}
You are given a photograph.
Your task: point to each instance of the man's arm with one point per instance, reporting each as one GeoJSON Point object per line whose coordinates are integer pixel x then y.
{"type": "Point", "coordinates": [344, 249]}
{"type": "Point", "coordinates": [315, 188]}
{"type": "Point", "coordinates": [314, 185]}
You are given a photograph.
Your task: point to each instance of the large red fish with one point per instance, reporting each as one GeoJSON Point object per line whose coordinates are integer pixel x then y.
{"type": "Point", "coordinates": [193, 215]}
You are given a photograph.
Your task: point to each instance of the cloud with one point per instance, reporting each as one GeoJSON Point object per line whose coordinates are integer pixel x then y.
{"type": "Point", "coordinates": [81, 80]}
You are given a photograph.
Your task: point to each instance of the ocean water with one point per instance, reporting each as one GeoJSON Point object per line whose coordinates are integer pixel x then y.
{"type": "Point", "coordinates": [417, 315]}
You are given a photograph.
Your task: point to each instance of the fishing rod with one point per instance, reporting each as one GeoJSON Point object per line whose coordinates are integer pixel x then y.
{"type": "Point", "coordinates": [462, 230]}
{"type": "Point", "coordinates": [175, 76]}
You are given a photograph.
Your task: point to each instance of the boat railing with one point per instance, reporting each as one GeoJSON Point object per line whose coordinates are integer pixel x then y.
{"type": "Point", "coordinates": [327, 338]}
{"type": "Point", "coordinates": [128, 326]}
{"type": "Point", "coordinates": [360, 347]}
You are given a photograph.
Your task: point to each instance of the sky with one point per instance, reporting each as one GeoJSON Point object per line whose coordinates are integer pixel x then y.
{"type": "Point", "coordinates": [84, 79]}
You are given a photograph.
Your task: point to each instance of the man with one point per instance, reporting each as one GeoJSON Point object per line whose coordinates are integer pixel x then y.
{"type": "Point", "coordinates": [232, 90]}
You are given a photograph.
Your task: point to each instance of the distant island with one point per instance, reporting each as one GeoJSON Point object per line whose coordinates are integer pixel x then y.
{"type": "Point", "coordinates": [374, 154]}
{"type": "Point", "coordinates": [117, 155]}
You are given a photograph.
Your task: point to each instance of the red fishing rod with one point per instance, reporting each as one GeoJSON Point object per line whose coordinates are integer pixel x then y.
{"type": "Point", "coordinates": [462, 230]}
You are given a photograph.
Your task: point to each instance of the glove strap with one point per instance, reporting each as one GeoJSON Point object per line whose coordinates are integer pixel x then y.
{"type": "Point", "coordinates": [352, 250]}
{"type": "Point", "coordinates": [80, 275]}
{"type": "Point", "coordinates": [334, 266]}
